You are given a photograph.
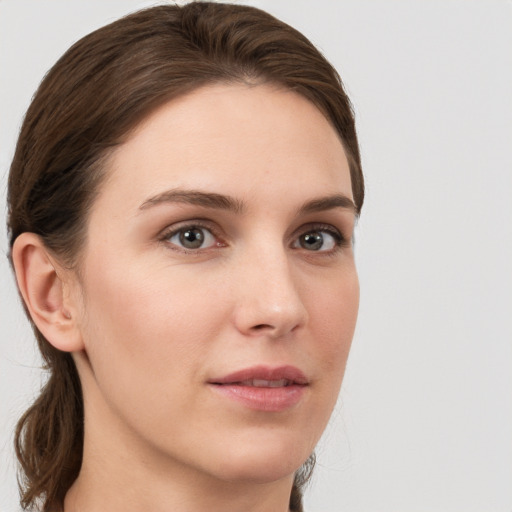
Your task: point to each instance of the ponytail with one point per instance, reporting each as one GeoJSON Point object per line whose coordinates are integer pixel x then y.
{"type": "Point", "coordinates": [49, 438]}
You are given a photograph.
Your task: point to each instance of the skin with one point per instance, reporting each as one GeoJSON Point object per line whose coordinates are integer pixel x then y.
{"type": "Point", "coordinates": [154, 322]}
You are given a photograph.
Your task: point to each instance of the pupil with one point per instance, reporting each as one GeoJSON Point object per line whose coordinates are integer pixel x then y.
{"type": "Point", "coordinates": [312, 241]}
{"type": "Point", "coordinates": [192, 238]}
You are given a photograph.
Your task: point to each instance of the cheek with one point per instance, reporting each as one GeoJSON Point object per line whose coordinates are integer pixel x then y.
{"type": "Point", "coordinates": [137, 296]}
{"type": "Point", "coordinates": [143, 330]}
{"type": "Point", "coordinates": [333, 315]}
{"type": "Point", "coordinates": [333, 311]}
{"type": "Point", "coordinates": [147, 342]}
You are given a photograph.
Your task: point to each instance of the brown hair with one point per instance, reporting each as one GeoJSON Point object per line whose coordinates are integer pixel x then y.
{"type": "Point", "coordinates": [98, 91]}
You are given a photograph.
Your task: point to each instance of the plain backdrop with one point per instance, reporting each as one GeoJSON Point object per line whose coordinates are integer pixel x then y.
{"type": "Point", "coordinates": [424, 421]}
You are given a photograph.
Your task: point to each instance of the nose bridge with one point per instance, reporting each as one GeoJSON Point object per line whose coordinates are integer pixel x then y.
{"type": "Point", "coordinates": [269, 300]}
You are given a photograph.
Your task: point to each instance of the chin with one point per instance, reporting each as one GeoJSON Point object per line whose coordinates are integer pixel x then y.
{"type": "Point", "coordinates": [261, 473]}
{"type": "Point", "coordinates": [262, 461]}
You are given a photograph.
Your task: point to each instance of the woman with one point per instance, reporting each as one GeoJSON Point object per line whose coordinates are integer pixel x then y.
{"type": "Point", "coordinates": [181, 207]}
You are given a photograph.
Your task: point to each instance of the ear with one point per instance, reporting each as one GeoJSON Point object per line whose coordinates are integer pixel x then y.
{"type": "Point", "coordinates": [46, 293]}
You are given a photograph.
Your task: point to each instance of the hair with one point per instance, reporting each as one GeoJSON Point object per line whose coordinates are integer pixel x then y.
{"type": "Point", "coordinates": [86, 105]}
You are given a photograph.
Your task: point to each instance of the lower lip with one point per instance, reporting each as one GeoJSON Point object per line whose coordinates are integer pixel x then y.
{"type": "Point", "coordinates": [262, 399]}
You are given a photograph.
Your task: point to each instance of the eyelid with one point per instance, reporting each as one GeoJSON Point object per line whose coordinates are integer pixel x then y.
{"type": "Point", "coordinates": [170, 231]}
{"type": "Point", "coordinates": [336, 233]}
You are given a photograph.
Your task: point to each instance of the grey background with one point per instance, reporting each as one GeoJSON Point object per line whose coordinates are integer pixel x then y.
{"type": "Point", "coordinates": [424, 421]}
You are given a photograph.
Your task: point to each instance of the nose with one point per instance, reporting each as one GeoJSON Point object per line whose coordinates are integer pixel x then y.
{"type": "Point", "coordinates": [269, 301]}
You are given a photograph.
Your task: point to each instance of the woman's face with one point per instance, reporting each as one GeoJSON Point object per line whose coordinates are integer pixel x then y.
{"type": "Point", "coordinates": [219, 291]}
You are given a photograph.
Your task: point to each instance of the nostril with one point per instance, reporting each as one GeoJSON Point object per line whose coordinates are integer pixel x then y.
{"type": "Point", "coordinates": [260, 327]}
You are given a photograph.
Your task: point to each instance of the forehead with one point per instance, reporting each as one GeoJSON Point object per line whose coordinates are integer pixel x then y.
{"type": "Point", "coordinates": [239, 140]}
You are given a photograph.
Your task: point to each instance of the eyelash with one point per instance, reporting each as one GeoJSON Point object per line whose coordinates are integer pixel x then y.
{"type": "Point", "coordinates": [340, 241]}
{"type": "Point", "coordinates": [167, 234]}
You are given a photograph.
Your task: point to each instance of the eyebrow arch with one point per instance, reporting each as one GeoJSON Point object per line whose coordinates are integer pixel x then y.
{"type": "Point", "coordinates": [328, 203]}
{"type": "Point", "coordinates": [195, 197]}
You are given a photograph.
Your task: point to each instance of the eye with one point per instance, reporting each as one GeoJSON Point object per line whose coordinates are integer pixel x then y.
{"type": "Point", "coordinates": [318, 240]}
{"type": "Point", "coordinates": [192, 237]}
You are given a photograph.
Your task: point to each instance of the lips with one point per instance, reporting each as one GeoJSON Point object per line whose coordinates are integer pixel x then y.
{"type": "Point", "coordinates": [263, 388]}
{"type": "Point", "coordinates": [290, 374]}
{"type": "Point", "coordinates": [262, 383]}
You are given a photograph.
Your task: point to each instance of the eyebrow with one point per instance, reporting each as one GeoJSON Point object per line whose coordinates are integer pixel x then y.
{"type": "Point", "coordinates": [196, 197]}
{"type": "Point", "coordinates": [224, 202]}
{"type": "Point", "coordinates": [328, 203]}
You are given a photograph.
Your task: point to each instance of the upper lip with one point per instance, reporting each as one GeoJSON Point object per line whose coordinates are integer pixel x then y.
{"type": "Point", "coordinates": [262, 372]}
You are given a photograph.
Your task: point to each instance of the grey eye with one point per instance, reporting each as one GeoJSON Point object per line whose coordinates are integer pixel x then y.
{"type": "Point", "coordinates": [316, 241]}
{"type": "Point", "coordinates": [193, 238]}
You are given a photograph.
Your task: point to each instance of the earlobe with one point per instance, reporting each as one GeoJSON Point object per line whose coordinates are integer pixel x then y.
{"type": "Point", "coordinates": [45, 293]}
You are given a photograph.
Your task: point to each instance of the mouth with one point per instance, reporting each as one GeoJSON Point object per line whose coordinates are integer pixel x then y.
{"type": "Point", "coordinates": [263, 388]}
{"type": "Point", "coordinates": [262, 383]}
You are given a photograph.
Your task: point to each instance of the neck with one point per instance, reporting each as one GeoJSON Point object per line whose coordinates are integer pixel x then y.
{"type": "Point", "coordinates": [89, 494]}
